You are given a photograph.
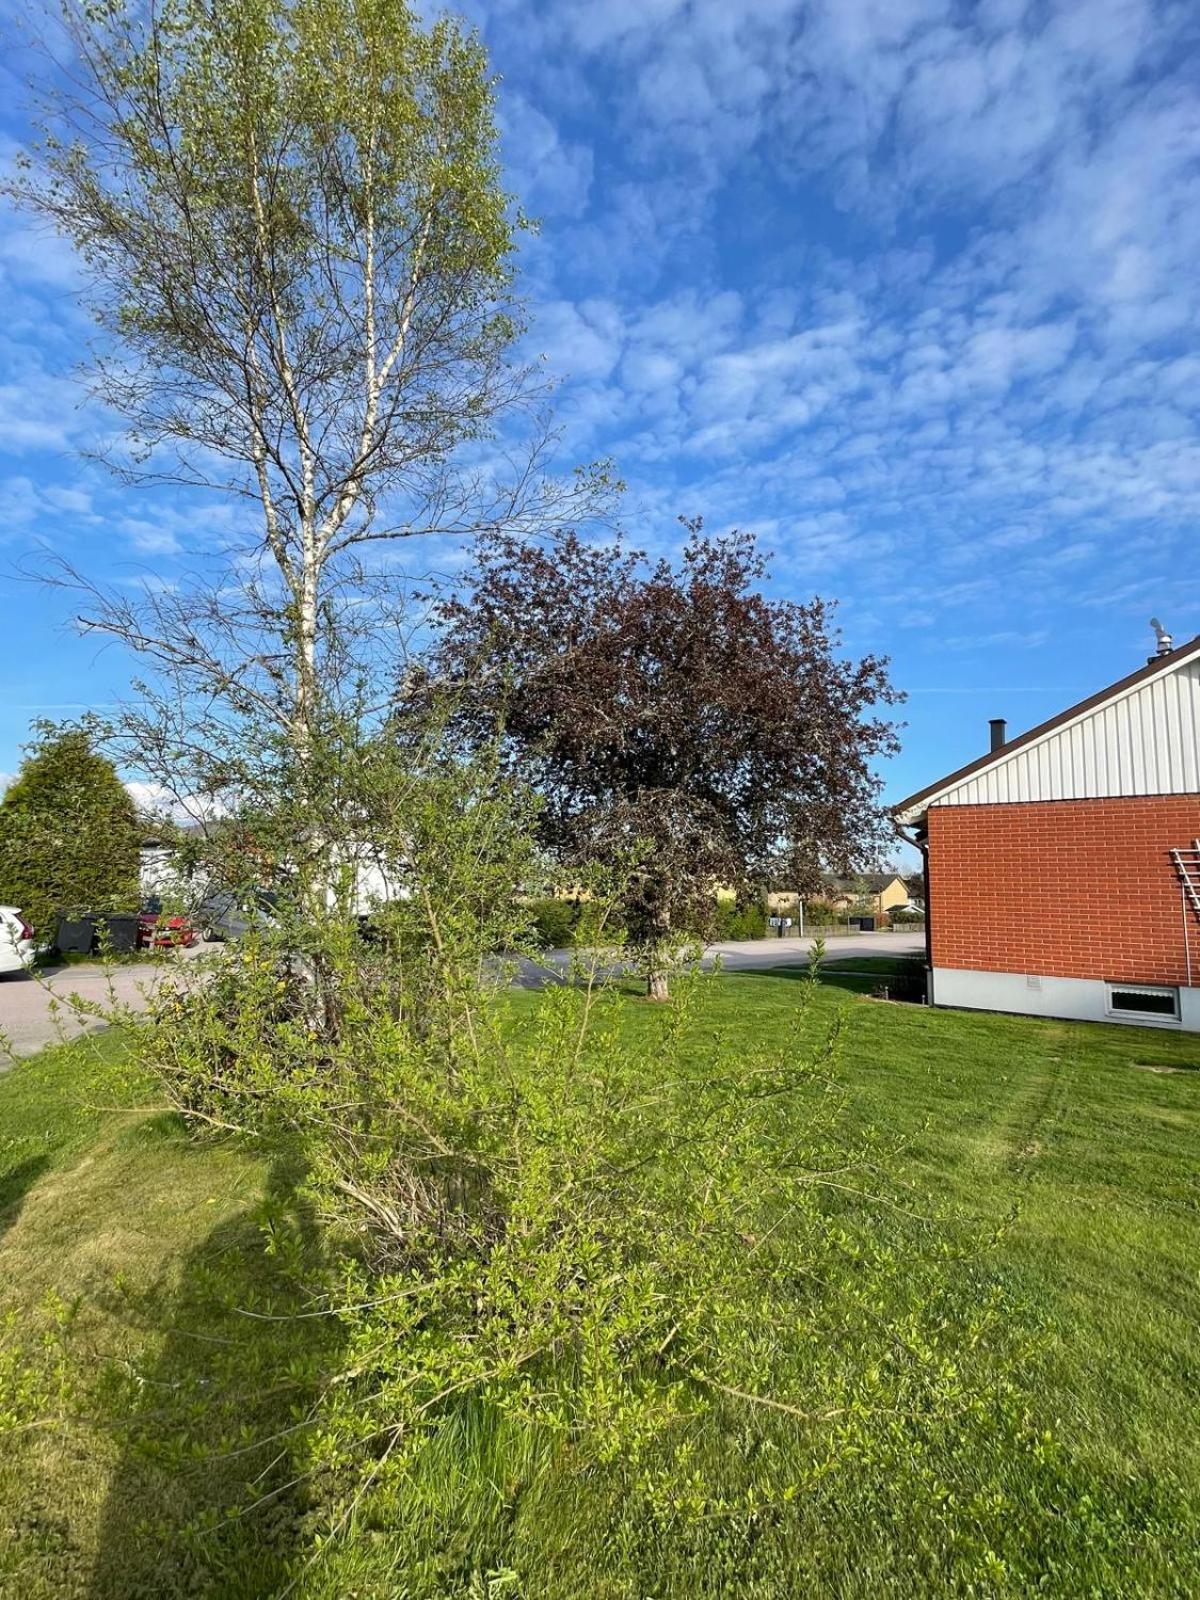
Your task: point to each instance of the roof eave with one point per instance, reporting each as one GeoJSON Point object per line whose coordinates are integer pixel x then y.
{"type": "Point", "coordinates": [910, 811]}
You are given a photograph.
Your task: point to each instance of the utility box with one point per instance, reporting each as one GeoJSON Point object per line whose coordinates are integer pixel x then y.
{"type": "Point", "coordinates": [118, 933]}
{"type": "Point", "coordinates": [74, 935]}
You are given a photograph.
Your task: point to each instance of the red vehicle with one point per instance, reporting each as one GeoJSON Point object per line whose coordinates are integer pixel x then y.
{"type": "Point", "coordinates": [159, 930]}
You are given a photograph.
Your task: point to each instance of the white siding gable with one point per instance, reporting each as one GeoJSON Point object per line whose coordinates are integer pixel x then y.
{"type": "Point", "coordinates": [1143, 741]}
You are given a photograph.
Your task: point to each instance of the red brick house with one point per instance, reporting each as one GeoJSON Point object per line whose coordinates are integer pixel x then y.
{"type": "Point", "coordinates": [1063, 867]}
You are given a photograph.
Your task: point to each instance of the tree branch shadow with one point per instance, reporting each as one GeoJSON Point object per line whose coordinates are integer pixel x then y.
{"type": "Point", "coordinates": [209, 1495]}
{"type": "Point", "coordinates": [15, 1185]}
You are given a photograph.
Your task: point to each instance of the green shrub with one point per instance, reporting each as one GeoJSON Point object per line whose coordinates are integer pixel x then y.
{"type": "Point", "coordinates": [553, 923]}
{"type": "Point", "coordinates": [69, 835]}
{"type": "Point", "coordinates": [736, 920]}
{"type": "Point", "coordinates": [579, 1234]}
{"type": "Point", "coordinates": [750, 923]}
{"type": "Point", "coordinates": [608, 1246]}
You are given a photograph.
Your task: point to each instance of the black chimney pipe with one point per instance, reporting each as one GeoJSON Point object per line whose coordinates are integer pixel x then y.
{"type": "Point", "coordinates": [999, 736]}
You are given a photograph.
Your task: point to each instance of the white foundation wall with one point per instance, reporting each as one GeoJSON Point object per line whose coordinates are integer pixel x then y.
{"type": "Point", "coordinates": [1075, 999]}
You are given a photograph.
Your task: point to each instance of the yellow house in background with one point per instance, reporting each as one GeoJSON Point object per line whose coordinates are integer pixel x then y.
{"type": "Point", "coordinates": [881, 891]}
{"type": "Point", "coordinates": [781, 902]}
{"type": "Point", "coordinates": [884, 891]}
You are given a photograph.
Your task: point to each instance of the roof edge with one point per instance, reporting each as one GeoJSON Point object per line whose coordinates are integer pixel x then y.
{"type": "Point", "coordinates": [903, 811]}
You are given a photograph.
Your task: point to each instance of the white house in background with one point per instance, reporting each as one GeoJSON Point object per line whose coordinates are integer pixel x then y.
{"type": "Point", "coordinates": [160, 874]}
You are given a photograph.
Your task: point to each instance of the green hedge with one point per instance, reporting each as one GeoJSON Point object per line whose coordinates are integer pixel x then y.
{"type": "Point", "coordinates": [554, 922]}
{"type": "Point", "coordinates": [740, 922]}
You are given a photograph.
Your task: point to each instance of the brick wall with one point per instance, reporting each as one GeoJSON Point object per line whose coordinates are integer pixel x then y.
{"type": "Point", "coordinates": [1065, 888]}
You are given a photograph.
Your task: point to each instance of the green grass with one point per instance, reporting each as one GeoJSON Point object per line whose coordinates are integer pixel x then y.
{"type": "Point", "coordinates": [1095, 1132]}
{"type": "Point", "coordinates": [886, 966]}
{"type": "Point", "coordinates": [857, 974]}
{"type": "Point", "coordinates": [128, 1254]}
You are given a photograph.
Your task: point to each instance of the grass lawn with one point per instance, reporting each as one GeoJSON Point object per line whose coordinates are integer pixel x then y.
{"type": "Point", "coordinates": [129, 1256]}
{"type": "Point", "coordinates": [126, 1251]}
{"type": "Point", "coordinates": [886, 966]}
{"type": "Point", "coordinates": [859, 974]}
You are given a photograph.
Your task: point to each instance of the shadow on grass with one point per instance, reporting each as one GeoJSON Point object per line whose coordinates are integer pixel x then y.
{"type": "Point", "coordinates": [209, 1496]}
{"type": "Point", "coordinates": [897, 985]}
{"type": "Point", "coordinates": [15, 1184]}
{"type": "Point", "coordinates": [801, 972]}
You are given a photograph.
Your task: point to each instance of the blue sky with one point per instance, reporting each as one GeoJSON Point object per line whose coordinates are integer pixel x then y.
{"type": "Point", "coordinates": [909, 287]}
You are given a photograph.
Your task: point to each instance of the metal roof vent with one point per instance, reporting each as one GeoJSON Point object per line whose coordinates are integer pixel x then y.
{"type": "Point", "coordinates": [1164, 641]}
{"type": "Point", "coordinates": [999, 735]}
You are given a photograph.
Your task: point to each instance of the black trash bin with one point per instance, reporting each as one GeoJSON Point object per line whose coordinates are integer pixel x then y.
{"type": "Point", "coordinates": [74, 935]}
{"type": "Point", "coordinates": [118, 933]}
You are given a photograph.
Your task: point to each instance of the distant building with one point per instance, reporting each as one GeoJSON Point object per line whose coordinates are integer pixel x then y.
{"type": "Point", "coordinates": [159, 870]}
{"type": "Point", "coordinates": [874, 893]}
{"type": "Point", "coordinates": [1063, 867]}
{"type": "Point", "coordinates": [881, 892]}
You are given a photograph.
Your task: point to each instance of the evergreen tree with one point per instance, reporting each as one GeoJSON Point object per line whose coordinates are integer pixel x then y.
{"type": "Point", "coordinates": [68, 832]}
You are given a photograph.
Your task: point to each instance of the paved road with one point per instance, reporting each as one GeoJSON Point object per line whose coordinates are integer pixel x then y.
{"type": "Point", "coordinates": [749, 954]}
{"type": "Point", "coordinates": [28, 1020]}
{"type": "Point", "coordinates": [793, 952]}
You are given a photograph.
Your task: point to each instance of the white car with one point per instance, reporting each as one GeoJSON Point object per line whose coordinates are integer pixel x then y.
{"type": "Point", "coordinates": [16, 940]}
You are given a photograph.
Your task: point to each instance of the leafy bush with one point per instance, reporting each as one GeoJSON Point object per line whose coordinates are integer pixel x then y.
{"type": "Point", "coordinates": [532, 1220]}
{"type": "Point", "coordinates": [906, 919]}
{"type": "Point", "coordinates": [602, 1242]}
{"type": "Point", "coordinates": [553, 923]}
{"type": "Point", "coordinates": [740, 920]}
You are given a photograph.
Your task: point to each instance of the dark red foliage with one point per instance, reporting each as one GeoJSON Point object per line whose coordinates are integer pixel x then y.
{"type": "Point", "coordinates": [670, 710]}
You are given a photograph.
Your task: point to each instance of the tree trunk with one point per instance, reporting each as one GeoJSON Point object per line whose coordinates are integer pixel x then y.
{"type": "Point", "coordinates": [657, 987]}
{"type": "Point", "coordinates": [305, 648]}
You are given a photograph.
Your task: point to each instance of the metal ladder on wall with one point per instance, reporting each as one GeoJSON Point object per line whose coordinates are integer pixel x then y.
{"type": "Point", "coordinates": [1187, 868]}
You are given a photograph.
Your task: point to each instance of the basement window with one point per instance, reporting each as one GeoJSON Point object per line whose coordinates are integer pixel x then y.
{"type": "Point", "coordinates": [1140, 1000]}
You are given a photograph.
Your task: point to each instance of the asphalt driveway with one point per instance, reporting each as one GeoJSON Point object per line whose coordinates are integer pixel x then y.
{"type": "Point", "coordinates": [36, 1009]}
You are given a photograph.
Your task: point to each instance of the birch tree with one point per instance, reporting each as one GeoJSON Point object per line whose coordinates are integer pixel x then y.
{"type": "Point", "coordinates": [300, 254]}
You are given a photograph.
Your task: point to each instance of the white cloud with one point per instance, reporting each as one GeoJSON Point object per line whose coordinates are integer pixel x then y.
{"type": "Point", "coordinates": [150, 538]}
{"type": "Point", "coordinates": [65, 497]}
{"type": "Point", "coordinates": [154, 799]}
{"type": "Point", "coordinates": [580, 341]}
{"type": "Point", "coordinates": [35, 414]}
{"type": "Point", "coordinates": [552, 176]}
